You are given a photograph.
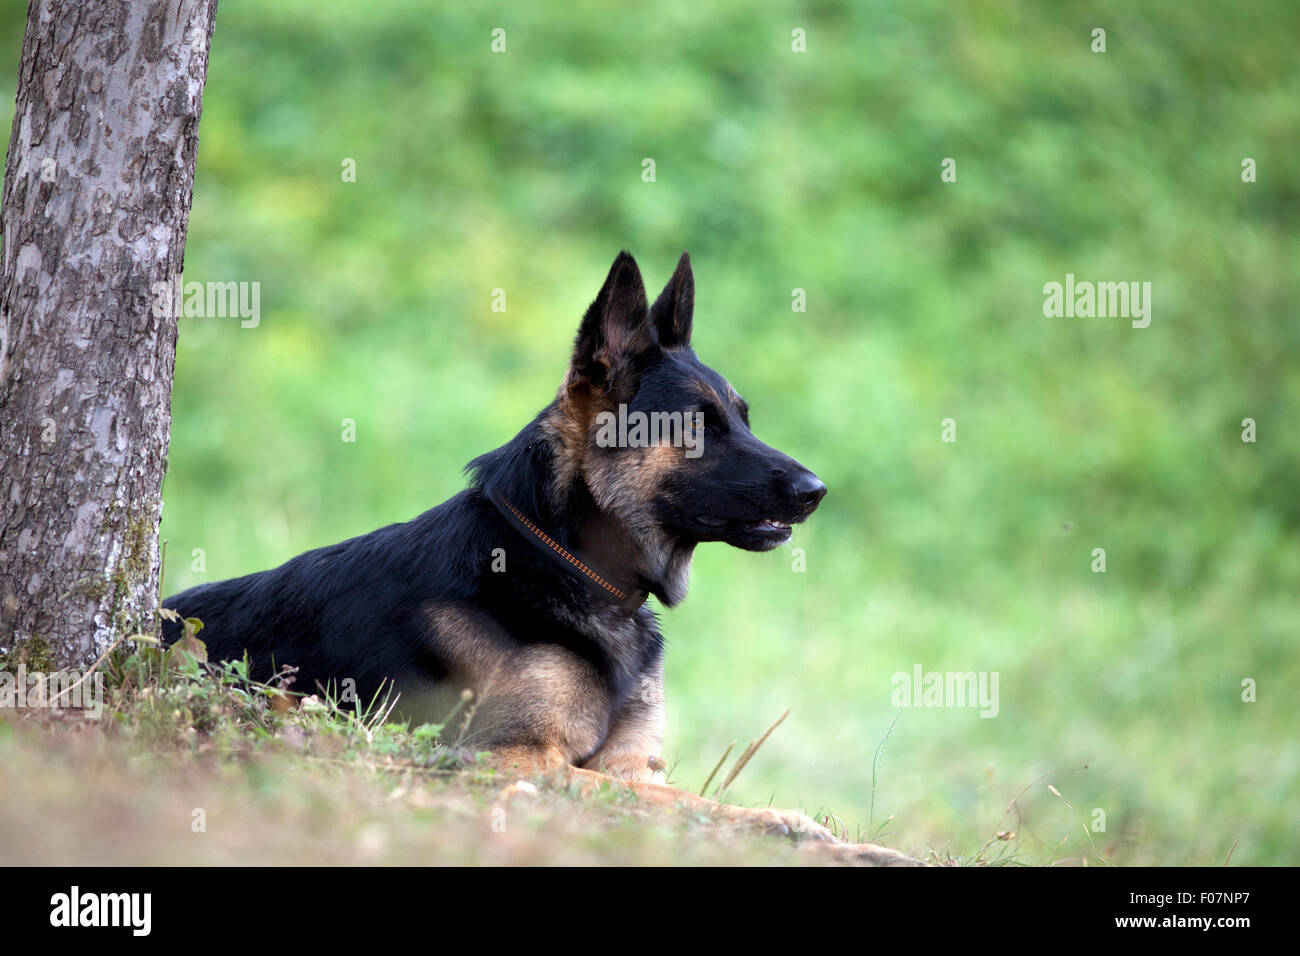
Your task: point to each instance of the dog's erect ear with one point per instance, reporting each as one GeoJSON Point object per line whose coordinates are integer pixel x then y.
{"type": "Point", "coordinates": [672, 312]}
{"type": "Point", "coordinates": [614, 334]}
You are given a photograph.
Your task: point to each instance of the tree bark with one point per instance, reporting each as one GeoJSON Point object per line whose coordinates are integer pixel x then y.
{"type": "Point", "coordinates": [97, 189]}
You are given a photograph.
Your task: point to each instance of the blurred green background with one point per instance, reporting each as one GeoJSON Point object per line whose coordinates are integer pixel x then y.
{"type": "Point", "coordinates": [820, 171]}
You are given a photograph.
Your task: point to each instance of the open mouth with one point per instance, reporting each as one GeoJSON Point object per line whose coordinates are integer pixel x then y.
{"type": "Point", "coordinates": [767, 528]}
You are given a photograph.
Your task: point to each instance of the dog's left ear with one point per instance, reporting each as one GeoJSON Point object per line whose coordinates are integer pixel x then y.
{"type": "Point", "coordinates": [615, 335]}
{"type": "Point", "coordinates": [673, 311]}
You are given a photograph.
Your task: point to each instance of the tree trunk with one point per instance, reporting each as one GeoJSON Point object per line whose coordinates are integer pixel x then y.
{"type": "Point", "coordinates": [97, 190]}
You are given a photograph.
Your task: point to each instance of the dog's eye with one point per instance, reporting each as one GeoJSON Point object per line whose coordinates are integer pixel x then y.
{"type": "Point", "coordinates": [708, 417]}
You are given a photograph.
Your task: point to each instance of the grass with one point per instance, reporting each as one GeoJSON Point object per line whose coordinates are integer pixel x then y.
{"type": "Point", "coordinates": [194, 763]}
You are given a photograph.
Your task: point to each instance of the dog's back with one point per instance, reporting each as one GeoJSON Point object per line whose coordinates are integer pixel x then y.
{"type": "Point", "coordinates": [346, 611]}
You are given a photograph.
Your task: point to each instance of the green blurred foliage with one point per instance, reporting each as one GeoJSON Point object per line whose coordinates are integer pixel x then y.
{"type": "Point", "coordinates": [819, 171]}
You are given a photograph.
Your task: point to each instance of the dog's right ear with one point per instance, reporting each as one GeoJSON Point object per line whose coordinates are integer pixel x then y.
{"type": "Point", "coordinates": [615, 333]}
{"type": "Point", "coordinates": [674, 310]}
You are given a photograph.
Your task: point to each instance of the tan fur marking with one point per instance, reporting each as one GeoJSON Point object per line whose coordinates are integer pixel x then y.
{"type": "Point", "coordinates": [463, 637]}
{"type": "Point", "coordinates": [527, 761]}
{"type": "Point", "coordinates": [567, 427]}
{"type": "Point", "coordinates": [631, 476]}
{"type": "Point", "coordinates": [538, 692]}
{"type": "Point", "coordinates": [546, 694]}
{"type": "Point", "coordinates": [636, 737]}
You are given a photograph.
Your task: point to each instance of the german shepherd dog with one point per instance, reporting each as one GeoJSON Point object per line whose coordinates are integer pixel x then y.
{"type": "Point", "coordinates": [528, 587]}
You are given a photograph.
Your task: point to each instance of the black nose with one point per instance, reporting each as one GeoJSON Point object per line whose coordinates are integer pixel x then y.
{"type": "Point", "coordinates": [808, 489]}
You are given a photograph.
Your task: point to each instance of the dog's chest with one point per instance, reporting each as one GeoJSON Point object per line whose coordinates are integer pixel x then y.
{"type": "Point", "coordinates": [630, 644]}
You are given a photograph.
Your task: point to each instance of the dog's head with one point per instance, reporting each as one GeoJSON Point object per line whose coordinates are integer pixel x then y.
{"type": "Point", "coordinates": [662, 441]}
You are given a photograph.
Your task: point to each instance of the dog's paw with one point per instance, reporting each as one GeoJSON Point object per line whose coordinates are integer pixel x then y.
{"type": "Point", "coordinates": [526, 761]}
{"type": "Point", "coordinates": [783, 823]}
{"type": "Point", "coordinates": [634, 768]}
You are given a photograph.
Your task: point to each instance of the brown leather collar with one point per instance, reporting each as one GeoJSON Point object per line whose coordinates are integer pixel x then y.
{"type": "Point", "coordinates": [629, 598]}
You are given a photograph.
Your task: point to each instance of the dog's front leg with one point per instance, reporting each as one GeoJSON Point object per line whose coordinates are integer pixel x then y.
{"type": "Point", "coordinates": [631, 750]}
{"type": "Point", "coordinates": [535, 761]}
{"type": "Point", "coordinates": [770, 820]}
{"type": "Point", "coordinates": [662, 795]}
